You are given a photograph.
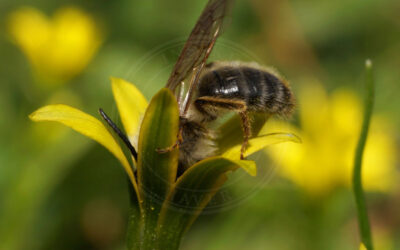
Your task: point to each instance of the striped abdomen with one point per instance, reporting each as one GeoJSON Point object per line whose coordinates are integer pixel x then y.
{"type": "Point", "coordinates": [262, 90]}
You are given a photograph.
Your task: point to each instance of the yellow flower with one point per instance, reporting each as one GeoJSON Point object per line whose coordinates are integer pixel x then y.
{"type": "Point", "coordinates": [159, 194]}
{"type": "Point", "coordinates": [330, 127]}
{"type": "Point", "coordinates": [58, 48]}
{"type": "Point", "coordinates": [132, 105]}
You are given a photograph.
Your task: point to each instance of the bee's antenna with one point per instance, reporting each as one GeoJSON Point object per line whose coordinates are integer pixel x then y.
{"type": "Point", "coordinates": [121, 135]}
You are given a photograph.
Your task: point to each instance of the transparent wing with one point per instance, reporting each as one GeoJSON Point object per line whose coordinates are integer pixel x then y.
{"type": "Point", "coordinates": [199, 44]}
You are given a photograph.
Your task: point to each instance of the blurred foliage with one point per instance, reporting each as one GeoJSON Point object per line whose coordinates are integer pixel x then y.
{"type": "Point", "coordinates": [329, 133]}
{"type": "Point", "coordinates": [57, 49]}
{"type": "Point", "coordinates": [59, 191]}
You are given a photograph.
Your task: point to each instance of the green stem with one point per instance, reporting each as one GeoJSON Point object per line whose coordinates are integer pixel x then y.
{"type": "Point", "coordinates": [144, 233]}
{"type": "Point", "coordinates": [363, 221]}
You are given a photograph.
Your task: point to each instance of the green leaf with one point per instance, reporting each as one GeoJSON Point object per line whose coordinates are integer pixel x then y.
{"type": "Point", "coordinates": [190, 194]}
{"type": "Point", "coordinates": [157, 171]}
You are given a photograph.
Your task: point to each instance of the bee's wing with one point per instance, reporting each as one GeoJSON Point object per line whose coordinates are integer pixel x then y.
{"type": "Point", "coordinates": [199, 44]}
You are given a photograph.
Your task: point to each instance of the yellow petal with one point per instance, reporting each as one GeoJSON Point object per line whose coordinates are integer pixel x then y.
{"type": "Point", "coordinates": [131, 106]}
{"type": "Point", "coordinates": [86, 125]}
{"type": "Point", "coordinates": [362, 247]}
{"type": "Point", "coordinates": [248, 166]}
{"type": "Point", "coordinates": [260, 142]}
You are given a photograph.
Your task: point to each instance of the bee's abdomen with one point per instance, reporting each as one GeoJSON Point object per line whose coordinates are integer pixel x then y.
{"type": "Point", "coordinates": [261, 90]}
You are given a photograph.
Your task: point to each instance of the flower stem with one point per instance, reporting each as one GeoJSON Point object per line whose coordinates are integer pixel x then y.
{"type": "Point", "coordinates": [363, 221]}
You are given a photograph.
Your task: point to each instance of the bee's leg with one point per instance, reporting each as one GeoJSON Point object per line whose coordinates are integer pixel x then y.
{"type": "Point", "coordinates": [168, 149]}
{"type": "Point", "coordinates": [246, 132]}
{"type": "Point", "coordinates": [209, 106]}
{"type": "Point", "coordinates": [178, 142]}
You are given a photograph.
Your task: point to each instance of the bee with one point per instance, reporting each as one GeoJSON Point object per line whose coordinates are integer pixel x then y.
{"type": "Point", "coordinates": [215, 89]}
{"type": "Point", "coordinates": [218, 87]}
{"type": "Point", "coordinates": [230, 86]}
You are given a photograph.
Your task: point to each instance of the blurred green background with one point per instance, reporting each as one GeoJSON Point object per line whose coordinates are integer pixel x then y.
{"type": "Point", "coordinates": [58, 190]}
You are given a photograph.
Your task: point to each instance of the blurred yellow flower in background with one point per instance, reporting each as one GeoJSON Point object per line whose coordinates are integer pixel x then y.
{"type": "Point", "coordinates": [58, 48]}
{"type": "Point", "coordinates": [330, 128]}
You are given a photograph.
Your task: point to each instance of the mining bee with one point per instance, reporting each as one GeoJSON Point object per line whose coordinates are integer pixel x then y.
{"type": "Point", "coordinates": [218, 87]}
{"type": "Point", "coordinates": [229, 86]}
